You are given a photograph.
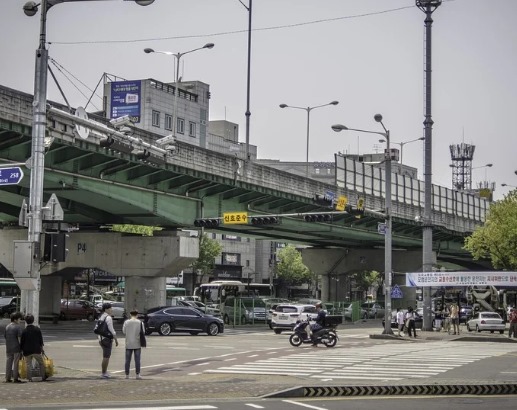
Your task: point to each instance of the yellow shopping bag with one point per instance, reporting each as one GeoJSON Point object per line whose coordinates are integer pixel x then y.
{"type": "Point", "coordinates": [49, 365]}
{"type": "Point", "coordinates": [22, 368]}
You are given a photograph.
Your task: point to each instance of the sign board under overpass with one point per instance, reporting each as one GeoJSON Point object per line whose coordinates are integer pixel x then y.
{"type": "Point", "coordinates": [467, 278]}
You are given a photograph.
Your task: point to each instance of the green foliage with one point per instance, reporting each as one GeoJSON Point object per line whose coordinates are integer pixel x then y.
{"type": "Point", "coordinates": [366, 279]}
{"type": "Point", "coordinates": [290, 270]}
{"type": "Point", "coordinates": [209, 249]}
{"type": "Point", "coordinates": [135, 229]}
{"type": "Point", "coordinates": [497, 238]}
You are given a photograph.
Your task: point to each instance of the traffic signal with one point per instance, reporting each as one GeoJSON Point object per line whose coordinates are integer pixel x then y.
{"type": "Point", "coordinates": [357, 212]}
{"type": "Point", "coordinates": [207, 223]}
{"type": "Point", "coordinates": [264, 220]}
{"type": "Point", "coordinates": [318, 218]}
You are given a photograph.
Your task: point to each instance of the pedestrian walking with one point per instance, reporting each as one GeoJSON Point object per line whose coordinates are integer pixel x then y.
{"type": "Point", "coordinates": [400, 320]}
{"type": "Point", "coordinates": [106, 341]}
{"type": "Point", "coordinates": [455, 319]}
{"type": "Point", "coordinates": [132, 329]}
{"type": "Point", "coordinates": [13, 334]}
{"type": "Point", "coordinates": [410, 321]}
{"type": "Point", "coordinates": [513, 323]}
{"type": "Point", "coordinates": [31, 344]}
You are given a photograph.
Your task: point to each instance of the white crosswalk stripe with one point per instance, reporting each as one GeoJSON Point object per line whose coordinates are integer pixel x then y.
{"type": "Point", "coordinates": [377, 362]}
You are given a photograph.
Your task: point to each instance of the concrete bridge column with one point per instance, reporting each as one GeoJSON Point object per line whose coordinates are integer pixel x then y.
{"type": "Point", "coordinates": [325, 286]}
{"type": "Point", "coordinates": [143, 293]}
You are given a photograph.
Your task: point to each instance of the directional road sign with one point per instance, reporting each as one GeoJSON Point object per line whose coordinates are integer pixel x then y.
{"type": "Point", "coordinates": [10, 176]}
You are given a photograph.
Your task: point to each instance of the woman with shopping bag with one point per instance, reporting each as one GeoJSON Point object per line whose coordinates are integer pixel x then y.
{"type": "Point", "coordinates": [32, 347]}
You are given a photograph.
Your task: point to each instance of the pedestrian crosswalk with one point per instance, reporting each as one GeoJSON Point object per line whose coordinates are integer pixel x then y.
{"type": "Point", "coordinates": [382, 362]}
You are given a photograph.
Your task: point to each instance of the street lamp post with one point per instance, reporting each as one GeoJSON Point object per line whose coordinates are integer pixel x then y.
{"type": "Point", "coordinates": [308, 109]}
{"type": "Point", "coordinates": [30, 299]}
{"type": "Point", "coordinates": [387, 214]}
{"type": "Point", "coordinates": [176, 85]}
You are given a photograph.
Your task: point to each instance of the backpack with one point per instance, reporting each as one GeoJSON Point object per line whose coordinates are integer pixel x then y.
{"type": "Point", "coordinates": [101, 328]}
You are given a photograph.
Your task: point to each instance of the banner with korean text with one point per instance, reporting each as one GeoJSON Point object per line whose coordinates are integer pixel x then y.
{"type": "Point", "coordinates": [467, 278]}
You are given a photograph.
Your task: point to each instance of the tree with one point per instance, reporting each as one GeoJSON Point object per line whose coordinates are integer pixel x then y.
{"type": "Point", "coordinates": [366, 279]}
{"type": "Point", "coordinates": [209, 249]}
{"type": "Point", "coordinates": [290, 270]}
{"type": "Point", "coordinates": [497, 238]}
{"type": "Point", "coordinates": [143, 230]}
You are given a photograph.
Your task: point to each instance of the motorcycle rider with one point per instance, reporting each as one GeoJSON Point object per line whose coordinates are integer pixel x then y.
{"type": "Point", "coordinates": [317, 328]}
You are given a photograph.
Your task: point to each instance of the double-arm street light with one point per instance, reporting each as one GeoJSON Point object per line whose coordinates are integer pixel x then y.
{"type": "Point", "coordinates": [30, 300]}
{"type": "Point", "coordinates": [308, 110]}
{"type": "Point", "coordinates": [387, 214]}
{"type": "Point", "coordinates": [177, 79]}
{"type": "Point", "coordinates": [402, 149]}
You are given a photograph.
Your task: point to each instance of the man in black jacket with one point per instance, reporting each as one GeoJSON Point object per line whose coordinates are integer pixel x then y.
{"type": "Point", "coordinates": [32, 347]}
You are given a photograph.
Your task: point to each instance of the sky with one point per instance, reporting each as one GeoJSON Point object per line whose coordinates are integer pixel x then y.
{"type": "Point", "coordinates": [366, 54]}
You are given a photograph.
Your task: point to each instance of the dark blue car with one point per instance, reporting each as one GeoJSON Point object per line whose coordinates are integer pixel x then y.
{"type": "Point", "coordinates": [168, 319]}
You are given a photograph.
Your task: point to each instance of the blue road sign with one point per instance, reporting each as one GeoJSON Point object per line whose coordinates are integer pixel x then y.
{"type": "Point", "coordinates": [10, 176]}
{"type": "Point", "coordinates": [396, 292]}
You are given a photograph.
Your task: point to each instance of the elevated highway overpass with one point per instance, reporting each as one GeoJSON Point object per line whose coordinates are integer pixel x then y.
{"type": "Point", "coordinates": [109, 179]}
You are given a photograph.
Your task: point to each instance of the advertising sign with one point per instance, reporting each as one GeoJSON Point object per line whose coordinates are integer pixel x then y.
{"type": "Point", "coordinates": [494, 278]}
{"type": "Point", "coordinates": [125, 99]}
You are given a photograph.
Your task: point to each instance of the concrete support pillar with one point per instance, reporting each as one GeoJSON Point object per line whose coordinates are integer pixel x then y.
{"type": "Point", "coordinates": [325, 286]}
{"type": "Point", "coordinates": [145, 292]}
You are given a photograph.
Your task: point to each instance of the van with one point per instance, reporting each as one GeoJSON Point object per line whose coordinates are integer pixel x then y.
{"type": "Point", "coordinates": [244, 310]}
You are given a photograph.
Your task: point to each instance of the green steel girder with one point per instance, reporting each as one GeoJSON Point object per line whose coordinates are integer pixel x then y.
{"type": "Point", "coordinates": [99, 186]}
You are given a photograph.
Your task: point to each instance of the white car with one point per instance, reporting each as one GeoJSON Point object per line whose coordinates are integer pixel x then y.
{"type": "Point", "coordinates": [118, 311]}
{"type": "Point", "coordinates": [285, 316]}
{"type": "Point", "coordinates": [486, 321]}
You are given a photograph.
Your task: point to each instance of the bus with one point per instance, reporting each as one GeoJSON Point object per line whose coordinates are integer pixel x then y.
{"type": "Point", "coordinates": [9, 287]}
{"type": "Point", "coordinates": [174, 291]}
{"type": "Point", "coordinates": [217, 291]}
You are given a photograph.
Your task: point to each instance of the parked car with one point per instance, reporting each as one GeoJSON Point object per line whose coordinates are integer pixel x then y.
{"type": "Point", "coordinates": [8, 305]}
{"type": "Point", "coordinates": [244, 310]}
{"type": "Point", "coordinates": [285, 316]}
{"type": "Point", "coordinates": [168, 319]}
{"type": "Point", "coordinates": [465, 313]}
{"type": "Point", "coordinates": [348, 312]}
{"type": "Point", "coordinates": [78, 309]}
{"type": "Point", "coordinates": [118, 311]}
{"type": "Point", "coordinates": [490, 321]}
{"type": "Point", "coordinates": [374, 310]}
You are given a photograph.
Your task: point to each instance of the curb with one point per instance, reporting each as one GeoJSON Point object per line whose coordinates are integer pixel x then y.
{"type": "Point", "coordinates": [402, 390]}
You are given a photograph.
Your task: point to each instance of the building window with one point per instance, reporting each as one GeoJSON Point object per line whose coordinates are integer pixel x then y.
{"type": "Point", "coordinates": [192, 129]}
{"type": "Point", "coordinates": [231, 258]}
{"type": "Point", "coordinates": [156, 118]}
{"type": "Point", "coordinates": [180, 126]}
{"type": "Point", "coordinates": [168, 122]}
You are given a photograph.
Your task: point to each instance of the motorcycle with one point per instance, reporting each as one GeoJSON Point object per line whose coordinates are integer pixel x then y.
{"type": "Point", "coordinates": [302, 334]}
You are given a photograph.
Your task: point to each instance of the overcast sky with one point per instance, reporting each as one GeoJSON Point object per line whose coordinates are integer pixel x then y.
{"type": "Point", "coordinates": [367, 54]}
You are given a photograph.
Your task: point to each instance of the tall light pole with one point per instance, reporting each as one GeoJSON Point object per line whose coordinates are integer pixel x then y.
{"type": "Point", "coordinates": [387, 216]}
{"type": "Point", "coordinates": [249, 7]}
{"type": "Point", "coordinates": [177, 79]}
{"type": "Point", "coordinates": [308, 109]}
{"type": "Point", "coordinates": [428, 7]}
{"type": "Point", "coordinates": [30, 299]}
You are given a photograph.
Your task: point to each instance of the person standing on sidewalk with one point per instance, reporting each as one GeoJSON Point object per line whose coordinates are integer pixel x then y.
{"type": "Point", "coordinates": [455, 319]}
{"type": "Point", "coordinates": [13, 333]}
{"type": "Point", "coordinates": [410, 321]}
{"type": "Point", "coordinates": [31, 344]}
{"type": "Point", "coordinates": [513, 323]}
{"type": "Point", "coordinates": [400, 320]}
{"type": "Point", "coordinates": [107, 342]}
{"type": "Point", "coordinates": [132, 328]}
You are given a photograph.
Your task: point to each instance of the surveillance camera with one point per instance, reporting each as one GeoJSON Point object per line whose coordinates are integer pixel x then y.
{"type": "Point", "coordinates": [118, 122]}
{"type": "Point", "coordinates": [169, 139]}
{"type": "Point", "coordinates": [418, 218]}
{"type": "Point", "coordinates": [170, 147]}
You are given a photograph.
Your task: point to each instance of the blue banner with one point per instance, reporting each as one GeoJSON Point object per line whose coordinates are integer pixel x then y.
{"type": "Point", "coordinates": [125, 100]}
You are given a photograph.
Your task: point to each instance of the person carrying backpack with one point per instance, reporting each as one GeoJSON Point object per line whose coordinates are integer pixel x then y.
{"type": "Point", "coordinates": [106, 340]}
